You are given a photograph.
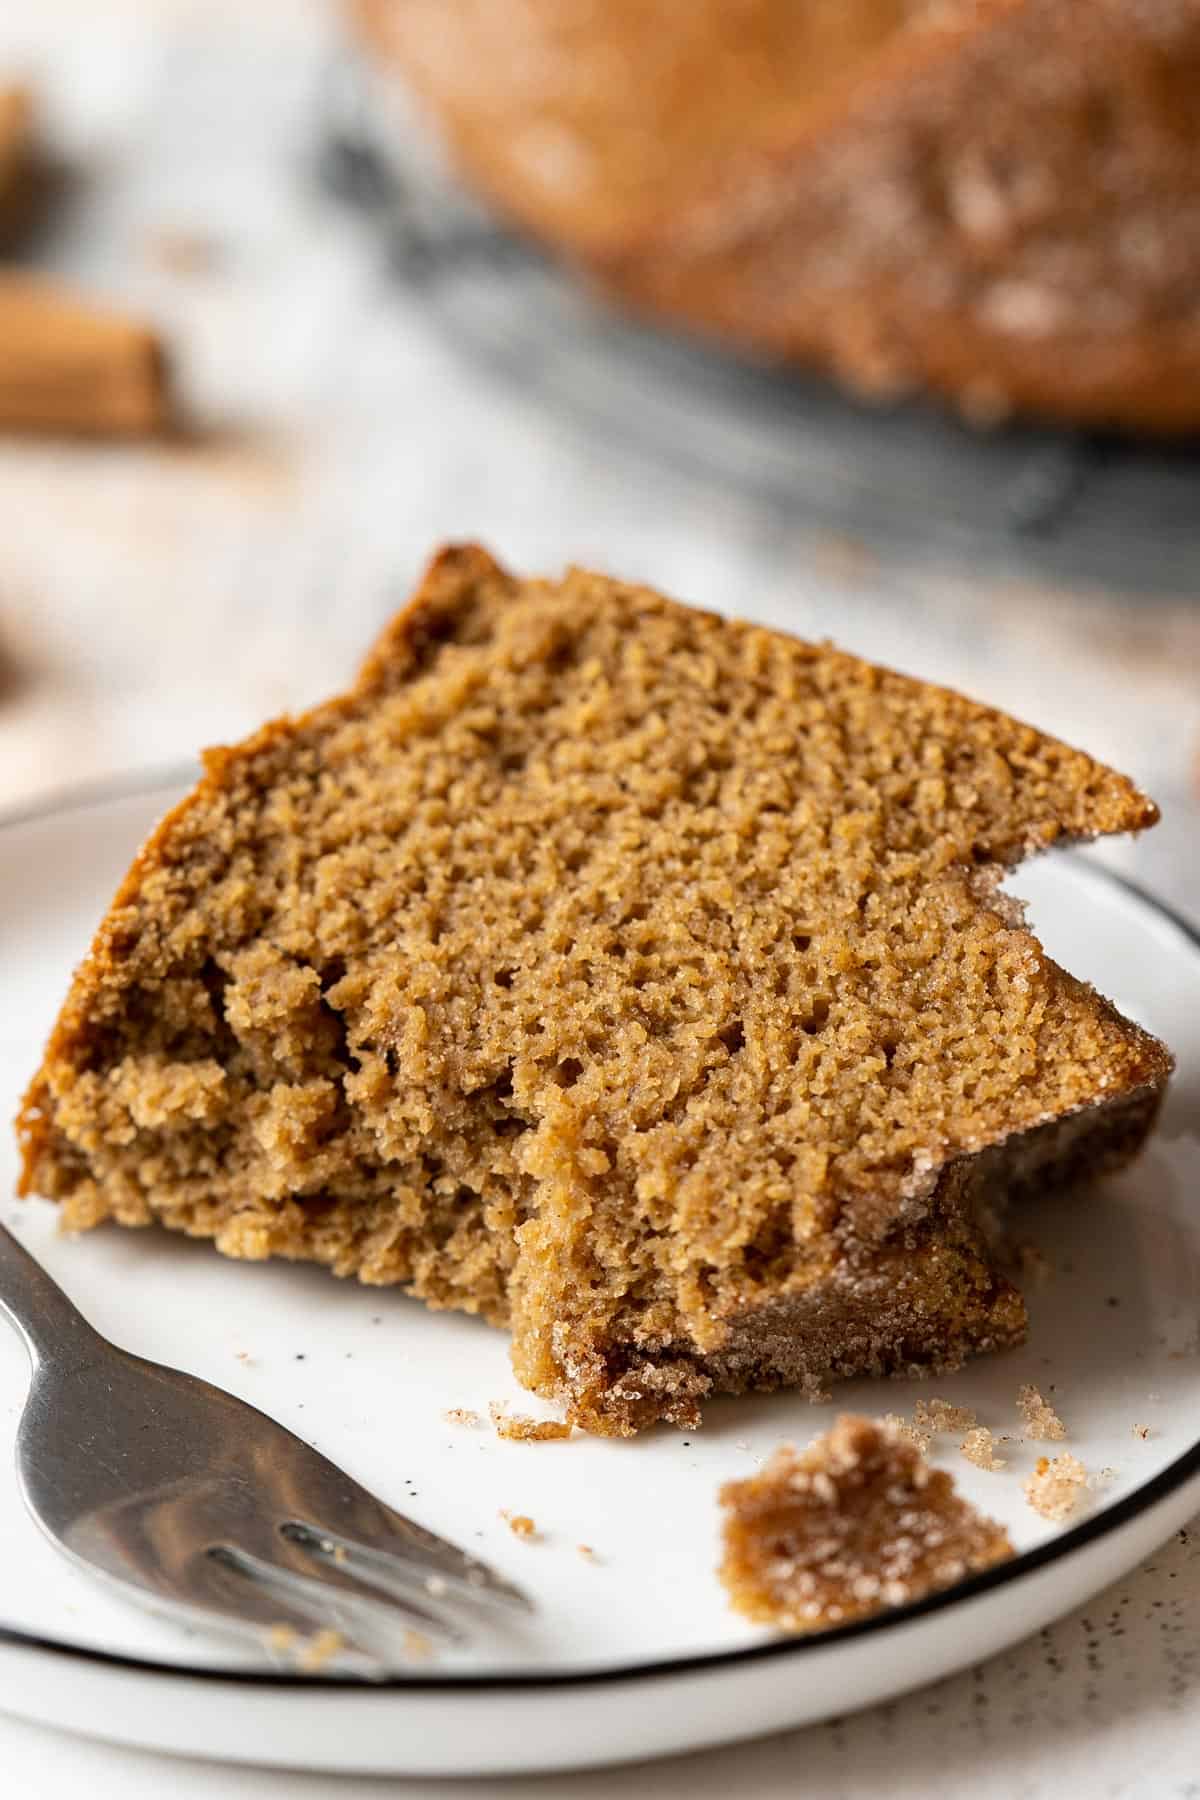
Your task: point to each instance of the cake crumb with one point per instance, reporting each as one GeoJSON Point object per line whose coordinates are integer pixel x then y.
{"type": "Point", "coordinates": [462, 1415]}
{"type": "Point", "coordinates": [318, 1650]}
{"type": "Point", "coordinates": [586, 1551]}
{"type": "Point", "coordinates": [920, 1439]}
{"type": "Point", "coordinates": [521, 1429]}
{"type": "Point", "coordinates": [1056, 1487]}
{"type": "Point", "coordinates": [417, 1647]}
{"type": "Point", "coordinates": [281, 1637]}
{"type": "Point", "coordinates": [520, 1524]}
{"type": "Point", "coordinates": [979, 1447]}
{"type": "Point", "coordinates": [1041, 1420]}
{"type": "Point", "coordinates": [1141, 1431]}
{"type": "Point", "coordinates": [930, 1417]}
{"type": "Point", "coordinates": [856, 1523]}
{"type": "Point", "coordinates": [936, 1416]}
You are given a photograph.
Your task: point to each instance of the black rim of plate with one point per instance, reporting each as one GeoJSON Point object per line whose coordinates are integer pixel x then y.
{"type": "Point", "coordinates": [1143, 1499]}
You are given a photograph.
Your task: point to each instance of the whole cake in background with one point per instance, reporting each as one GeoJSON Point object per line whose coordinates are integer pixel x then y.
{"type": "Point", "coordinates": [633, 977]}
{"type": "Point", "coordinates": [995, 201]}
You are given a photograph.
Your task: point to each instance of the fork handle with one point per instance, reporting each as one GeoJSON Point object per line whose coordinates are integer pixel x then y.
{"type": "Point", "coordinates": [53, 1329]}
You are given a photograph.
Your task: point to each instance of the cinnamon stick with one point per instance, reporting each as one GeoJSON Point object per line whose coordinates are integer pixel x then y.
{"type": "Point", "coordinates": [17, 158]}
{"type": "Point", "coordinates": [70, 367]}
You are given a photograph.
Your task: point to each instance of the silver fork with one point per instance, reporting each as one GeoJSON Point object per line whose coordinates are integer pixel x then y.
{"type": "Point", "coordinates": [204, 1509]}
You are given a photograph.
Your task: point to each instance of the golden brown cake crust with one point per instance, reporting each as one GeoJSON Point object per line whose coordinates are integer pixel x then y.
{"type": "Point", "coordinates": [621, 973]}
{"type": "Point", "coordinates": [855, 1523]}
{"type": "Point", "coordinates": [592, 124]}
{"type": "Point", "coordinates": [996, 201]}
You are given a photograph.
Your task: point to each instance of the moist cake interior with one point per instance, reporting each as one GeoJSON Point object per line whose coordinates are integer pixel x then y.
{"type": "Point", "coordinates": [631, 977]}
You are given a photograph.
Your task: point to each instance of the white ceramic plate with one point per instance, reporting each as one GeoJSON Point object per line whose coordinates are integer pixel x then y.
{"type": "Point", "coordinates": [633, 1651]}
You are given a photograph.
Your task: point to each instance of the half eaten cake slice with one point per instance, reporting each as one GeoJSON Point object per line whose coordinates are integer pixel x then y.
{"type": "Point", "coordinates": [633, 977]}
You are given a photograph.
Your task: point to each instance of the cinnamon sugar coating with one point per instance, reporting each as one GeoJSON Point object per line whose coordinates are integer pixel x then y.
{"type": "Point", "coordinates": [1057, 1486]}
{"type": "Point", "coordinates": [1040, 1418]}
{"type": "Point", "coordinates": [628, 976]}
{"type": "Point", "coordinates": [979, 1447]}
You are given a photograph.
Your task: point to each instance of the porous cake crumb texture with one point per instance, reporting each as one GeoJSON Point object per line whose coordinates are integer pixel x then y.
{"type": "Point", "coordinates": [855, 1523]}
{"type": "Point", "coordinates": [1056, 1486]}
{"type": "Point", "coordinates": [1041, 1420]}
{"type": "Point", "coordinates": [979, 1447]}
{"type": "Point", "coordinates": [937, 1416]}
{"type": "Point", "coordinates": [628, 976]}
{"type": "Point", "coordinates": [919, 1437]}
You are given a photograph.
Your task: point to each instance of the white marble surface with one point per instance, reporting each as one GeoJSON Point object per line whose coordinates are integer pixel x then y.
{"type": "Point", "coordinates": [154, 599]}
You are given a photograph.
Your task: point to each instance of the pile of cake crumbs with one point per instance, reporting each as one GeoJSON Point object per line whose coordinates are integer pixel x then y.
{"type": "Point", "coordinates": [934, 1417]}
{"type": "Point", "coordinates": [860, 1520]}
{"type": "Point", "coordinates": [1056, 1487]}
{"type": "Point", "coordinates": [1041, 1420]}
{"type": "Point", "coordinates": [462, 1415]}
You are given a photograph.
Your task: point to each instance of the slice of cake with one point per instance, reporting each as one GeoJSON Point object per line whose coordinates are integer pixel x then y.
{"type": "Point", "coordinates": [855, 1523]}
{"type": "Point", "coordinates": [630, 976]}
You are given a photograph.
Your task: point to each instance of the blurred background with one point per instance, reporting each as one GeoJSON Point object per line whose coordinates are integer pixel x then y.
{"type": "Point", "coordinates": [362, 358]}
